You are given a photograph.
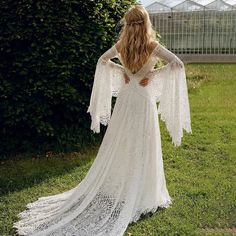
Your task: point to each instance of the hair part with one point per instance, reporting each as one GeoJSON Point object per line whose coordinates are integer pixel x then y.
{"type": "Point", "coordinates": [136, 35]}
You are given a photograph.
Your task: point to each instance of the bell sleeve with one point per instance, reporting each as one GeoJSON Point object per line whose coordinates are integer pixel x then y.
{"type": "Point", "coordinates": [170, 90]}
{"type": "Point", "coordinates": [108, 80]}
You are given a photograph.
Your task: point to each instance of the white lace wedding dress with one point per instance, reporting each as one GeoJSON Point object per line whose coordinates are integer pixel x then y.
{"type": "Point", "coordinates": [127, 176]}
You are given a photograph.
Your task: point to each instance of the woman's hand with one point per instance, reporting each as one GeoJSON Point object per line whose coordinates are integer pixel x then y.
{"type": "Point", "coordinates": [144, 82]}
{"type": "Point", "coordinates": [127, 79]}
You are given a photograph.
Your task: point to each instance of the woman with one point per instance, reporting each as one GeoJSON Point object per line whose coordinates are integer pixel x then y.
{"type": "Point", "coordinates": [127, 177]}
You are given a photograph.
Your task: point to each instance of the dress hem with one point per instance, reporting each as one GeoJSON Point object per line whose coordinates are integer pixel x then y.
{"type": "Point", "coordinates": [137, 216]}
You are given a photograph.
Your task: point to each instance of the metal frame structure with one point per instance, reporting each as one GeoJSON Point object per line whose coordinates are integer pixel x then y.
{"type": "Point", "coordinates": [190, 28]}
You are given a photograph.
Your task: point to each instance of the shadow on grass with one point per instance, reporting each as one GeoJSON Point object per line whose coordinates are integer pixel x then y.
{"type": "Point", "coordinates": [25, 172]}
{"type": "Point", "coordinates": [145, 216]}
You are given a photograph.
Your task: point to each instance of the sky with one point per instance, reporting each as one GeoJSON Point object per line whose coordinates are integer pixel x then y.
{"type": "Point", "coordinates": [148, 2]}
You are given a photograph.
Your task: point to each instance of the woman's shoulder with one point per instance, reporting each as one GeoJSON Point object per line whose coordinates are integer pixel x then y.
{"type": "Point", "coordinates": [117, 45]}
{"type": "Point", "coordinates": [154, 47]}
{"type": "Point", "coordinates": [154, 44]}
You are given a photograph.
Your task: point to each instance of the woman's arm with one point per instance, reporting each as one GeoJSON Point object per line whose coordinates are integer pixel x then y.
{"type": "Point", "coordinates": [112, 53]}
{"type": "Point", "coordinates": [170, 90]}
{"type": "Point", "coordinates": [168, 56]}
{"type": "Point", "coordinates": [108, 80]}
{"type": "Point", "coordinates": [109, 54]}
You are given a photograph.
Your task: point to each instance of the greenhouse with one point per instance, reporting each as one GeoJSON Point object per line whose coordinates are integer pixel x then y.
{"type": "Point", "coordinates": [199, 30]}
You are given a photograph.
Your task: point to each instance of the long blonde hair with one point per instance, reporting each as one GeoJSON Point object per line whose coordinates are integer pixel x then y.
{"type": "Point", "coordinates": [135, 37]}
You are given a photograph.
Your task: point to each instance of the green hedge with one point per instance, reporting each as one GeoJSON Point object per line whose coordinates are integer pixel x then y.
{"type": "Point", "coordinates": [48, 52]}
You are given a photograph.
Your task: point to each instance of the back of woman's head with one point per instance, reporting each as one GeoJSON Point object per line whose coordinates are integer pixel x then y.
{"type": "Point", "coordinates": [136, 35]}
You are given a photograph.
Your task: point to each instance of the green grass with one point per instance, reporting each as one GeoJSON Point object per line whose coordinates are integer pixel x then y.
{"type": "Point", "coordinates": [200, 174]}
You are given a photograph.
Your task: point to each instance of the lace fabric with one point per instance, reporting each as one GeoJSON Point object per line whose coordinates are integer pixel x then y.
{"type": "Point", "coordinates": [127, 176]}
{"type": "Point", "coordinates": [168, 84]}
{"type": "Point", "coordinates": [172, 94]}
{"type": "Point", "coordinates": [108, 80]}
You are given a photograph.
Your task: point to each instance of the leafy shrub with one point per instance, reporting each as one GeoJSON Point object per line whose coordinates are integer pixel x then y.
{"type": "Point", "coordinates": [48, 52]}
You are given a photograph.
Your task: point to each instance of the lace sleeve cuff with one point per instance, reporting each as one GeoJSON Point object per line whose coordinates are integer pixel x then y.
{"type": "Point", "coordinates": [108, 80]}
{"type": "Point", "coordinates": [170, 89]}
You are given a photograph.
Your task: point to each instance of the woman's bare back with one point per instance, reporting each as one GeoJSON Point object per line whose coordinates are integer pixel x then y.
{"type": "Point", "coordinates": [144, 81]}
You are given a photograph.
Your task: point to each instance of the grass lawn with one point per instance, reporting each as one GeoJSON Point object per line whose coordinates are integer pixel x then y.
{"type": "Point", "coordinates": [200, 174]}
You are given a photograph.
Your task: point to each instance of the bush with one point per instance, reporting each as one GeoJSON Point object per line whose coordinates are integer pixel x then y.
{"type": "Point", "coordinates": [48, 52]}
